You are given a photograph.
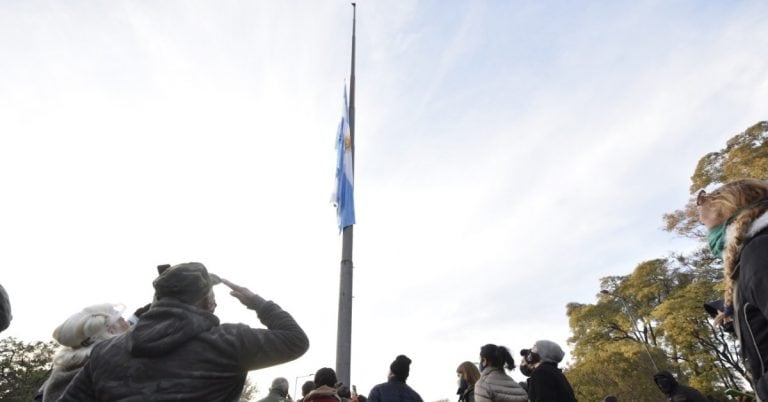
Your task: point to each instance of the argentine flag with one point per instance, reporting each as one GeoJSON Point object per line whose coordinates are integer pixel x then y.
{"type": "Point", "coordinates": [343, 197]}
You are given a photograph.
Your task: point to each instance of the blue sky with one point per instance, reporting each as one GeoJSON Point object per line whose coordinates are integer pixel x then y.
{"type": "Point", "coordinates": [509, 154]}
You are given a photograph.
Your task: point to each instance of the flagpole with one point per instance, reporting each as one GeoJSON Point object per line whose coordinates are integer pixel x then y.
{"type": "Point", "coordinates": [344, 333]}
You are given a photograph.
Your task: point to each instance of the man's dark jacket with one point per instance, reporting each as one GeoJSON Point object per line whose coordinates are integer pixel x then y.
{"type": "Point", "coordinates": [178, 352]}
{"type": "Point", "coordinates": [393, 390]}
{"type": "Point", "coordinates": [548, 384]}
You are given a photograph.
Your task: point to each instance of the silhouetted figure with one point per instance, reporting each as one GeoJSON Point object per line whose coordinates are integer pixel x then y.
{"type": "Point", "coordinates": [278, 392]}
{"type": "Point", "coordinates": [676, 392]}
{"type": "Point", "coordinates": [395, 389]}
{"type": "Point", "coordinates": [5, 310]}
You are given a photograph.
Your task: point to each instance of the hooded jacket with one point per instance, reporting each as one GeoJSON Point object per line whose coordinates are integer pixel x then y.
{"type": "Point", "coordinates": [180, 352]}
{"type": "Point", "coordinates": [674, 391]}
{"type": "Point", "coordinates": [751, 303]}
{"type": "Point", "coordinates": [495, 385]}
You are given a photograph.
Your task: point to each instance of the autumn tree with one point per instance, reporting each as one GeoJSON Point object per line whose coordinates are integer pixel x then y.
{"type": "Point", "coordinates": [745, 156]}
{"type": "Point", "coordinates": [23, 368]}
{"type": "Point", "coordinates": [654, 318]}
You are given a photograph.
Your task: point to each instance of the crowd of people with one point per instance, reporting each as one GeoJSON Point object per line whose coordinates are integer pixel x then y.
{"type": "Point", "coordinates": [175, 348]}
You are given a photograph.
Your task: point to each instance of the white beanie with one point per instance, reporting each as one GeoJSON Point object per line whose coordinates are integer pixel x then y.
{"type": "Point", "coordinates": [87, 326]}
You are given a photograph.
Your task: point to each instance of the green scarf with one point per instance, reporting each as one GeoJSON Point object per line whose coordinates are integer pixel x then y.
{"type": "Point", "coordinates": [716, 235]}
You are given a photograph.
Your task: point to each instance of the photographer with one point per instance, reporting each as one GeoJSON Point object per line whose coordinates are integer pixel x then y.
{"type": "Point", "coordinates": [547, 382]}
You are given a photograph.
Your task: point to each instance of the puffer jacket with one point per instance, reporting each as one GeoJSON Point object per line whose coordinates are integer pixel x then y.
{"type": "Point", "coordinates": [180, 352]}
{"type": "Point", "coordinates": [495, 385]}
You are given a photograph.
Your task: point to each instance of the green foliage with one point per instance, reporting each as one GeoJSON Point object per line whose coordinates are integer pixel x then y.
{"type": "Point", "coordinates": [23, 368]}
{"type": "Point", "coordinates": [654, 313]}
{"type": "Point", "coordinates": [744, 156]}
{"type": "Point", "coordinates": [658, 310]}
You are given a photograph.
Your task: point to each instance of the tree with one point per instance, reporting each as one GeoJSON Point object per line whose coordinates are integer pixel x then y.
{"type": "Point", "coordinates": [655, 313]}
{"type": "Point", "coordinates": [650, 320]}
{"type": "Point", "coordinates": [250, 389]}
{"type": "Point", "coordinates": [745, 156]}
{"type": "Point", "coordinates": [23, 368]}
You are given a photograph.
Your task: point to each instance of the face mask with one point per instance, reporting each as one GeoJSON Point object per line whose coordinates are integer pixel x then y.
{"type": "Point", "coordinates": [716, 240]}
{"type": "Point", "coordinates": [526, 370]}
{"type": "Point", "coordinates": [463, 385]}
{"type": "Point", "coordinates": [480, 366]}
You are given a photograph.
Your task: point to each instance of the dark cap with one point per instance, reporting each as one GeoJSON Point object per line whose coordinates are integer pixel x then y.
{"type": "Point", "coordinates": [189, 282]}
{"type": "Point", "coordinates": [401, 367]}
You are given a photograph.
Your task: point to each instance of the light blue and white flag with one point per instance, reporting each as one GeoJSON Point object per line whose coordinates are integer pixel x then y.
{"type": "Point", "coordinates": [344, 192]}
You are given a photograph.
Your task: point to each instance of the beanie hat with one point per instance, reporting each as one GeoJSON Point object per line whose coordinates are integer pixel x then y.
{"type": "Point", "coordinates": [189, 282]}
{"type": "Point", "coordinates": [401, 367]}
{"type": "Point", "coordinates": [87, 326]}
{"type": "Point", "coordinates": [325, 376]}
{"type": "Point", "coordinates": [549, 351]}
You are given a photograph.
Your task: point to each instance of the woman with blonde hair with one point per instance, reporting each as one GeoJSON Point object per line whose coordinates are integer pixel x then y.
{"type": "Point", "coordinates": [77, 336]}
{"type": "Point", "coordinates": [468, 375]}
{"type": "Point", "coordinates": [736, 216]}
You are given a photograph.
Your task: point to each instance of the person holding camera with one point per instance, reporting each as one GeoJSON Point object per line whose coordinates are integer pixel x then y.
{"type": "Point", "coordinates": [494, 384]}
{"type": "Point", "coordinates": [547, 382]}
{"type": "Point", "coordinates": [179, 351]}
{"type": "Point", "coordinates": [736, 217]}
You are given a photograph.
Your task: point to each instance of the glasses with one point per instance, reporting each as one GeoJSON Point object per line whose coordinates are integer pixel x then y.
{"type": "Point", "coordinates": [701, 197]}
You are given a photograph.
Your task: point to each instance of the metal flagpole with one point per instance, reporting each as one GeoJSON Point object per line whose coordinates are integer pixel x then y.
{"type": "Point", "coordinates": [344, 334]}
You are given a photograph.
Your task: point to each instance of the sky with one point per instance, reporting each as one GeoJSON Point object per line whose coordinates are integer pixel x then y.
{"type": "Point", "coordinates": [509, 154]}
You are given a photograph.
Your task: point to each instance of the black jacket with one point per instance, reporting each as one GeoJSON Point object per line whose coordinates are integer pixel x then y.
{"type": "Point", "coordinates": [676, 391]}
{"type": "Point", "coordinates": [179, 352]}
{"type": "Point", "coordinates": [393, 390]}
{"type": "Point", "coordinates": [752, 308]}
{"type": "Point", "coordinates": [548, 384]}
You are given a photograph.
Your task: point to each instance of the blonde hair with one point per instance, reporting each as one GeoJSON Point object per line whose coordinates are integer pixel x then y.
{"type": "Point", "coordinates": [727, 201]}
{"type": "Point", "coordinates": [82, 330]}
{"type": "Point", "coordinates": [469, 371]}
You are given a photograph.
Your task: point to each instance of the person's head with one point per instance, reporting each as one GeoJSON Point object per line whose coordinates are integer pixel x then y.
{"type": "Point", "coordinates": [548, 351]}
{"type": "Point", "coordinates": [665, 381]}
{"type": "Point", "coordinates": [468, 372]}
{"type": "Point", "coordinates": [188, 283]}
{"type": "Point", "coordinates": [325, 376]}
{"type": "Point", "coordinates": [280, 386]}
{"type": "Point", "coordinates": [716, 207]}
{"type": "Point", "coordinates": [728, 212]}
{"type": "Point", "coordinates": [400, 368]}
{"type": "Point", "coordinates": [92, 324]}
{"type": "Point", "coordinates": [307, 387]}
{"type": "Point", "coordinates": [496, 357]}
{"type": "Point", "coordinates": [344, 392]}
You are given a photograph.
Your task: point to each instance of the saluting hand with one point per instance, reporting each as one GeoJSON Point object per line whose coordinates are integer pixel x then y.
{"type": "Point", "coordinates": [241, 293]}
